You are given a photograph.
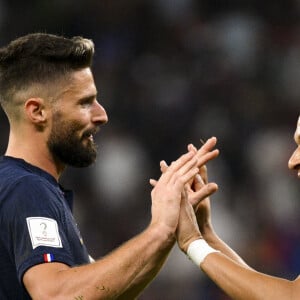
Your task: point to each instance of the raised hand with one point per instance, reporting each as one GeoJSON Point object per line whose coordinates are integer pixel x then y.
{"type": "Point", "coordinates": [196, 190]}
{"type": "Point", "coordinates": [201, 204]}
{"type": "Point", "coordinates": [167, 191]}
{"type": "Point", "coordinates": [187, 229]}
{"type": "Point", "coordinates": [206, 151]}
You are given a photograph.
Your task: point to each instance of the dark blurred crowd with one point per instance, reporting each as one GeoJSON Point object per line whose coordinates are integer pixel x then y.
{"type": "Point", "coordinates": [169, 73]}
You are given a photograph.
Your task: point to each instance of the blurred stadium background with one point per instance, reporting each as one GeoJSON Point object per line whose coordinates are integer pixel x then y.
{"type": "Point", "coordinates": [170, 72]}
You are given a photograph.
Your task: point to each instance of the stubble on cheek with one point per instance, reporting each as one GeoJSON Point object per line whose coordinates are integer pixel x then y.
{"type": "Point", "coordinates": [70, 145]}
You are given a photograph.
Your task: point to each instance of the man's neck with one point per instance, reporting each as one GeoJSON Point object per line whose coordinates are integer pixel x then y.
{"type": "Point", "coordinates": [36, 153]}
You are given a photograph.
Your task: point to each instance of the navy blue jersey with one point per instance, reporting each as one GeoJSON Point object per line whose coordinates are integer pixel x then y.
{"type": "Point", "coordinates": [36, 225]}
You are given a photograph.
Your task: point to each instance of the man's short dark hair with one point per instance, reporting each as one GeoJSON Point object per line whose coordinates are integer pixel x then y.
{"type": "Point", "coordinates": [40, 58]}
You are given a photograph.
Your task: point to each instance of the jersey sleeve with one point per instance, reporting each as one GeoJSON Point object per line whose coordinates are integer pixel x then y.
{"type": "Point", "coordinates": [36, 225]}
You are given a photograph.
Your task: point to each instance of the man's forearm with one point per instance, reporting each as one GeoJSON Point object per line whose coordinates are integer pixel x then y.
{"type": "Point", "coordinates": [242, 283]}
{"type": "Point", "coordinates": [215, 242]}
{"type": "Point", "coordinates": [128, 268]}
{"type": "Point", "coordinates": [146, 275]}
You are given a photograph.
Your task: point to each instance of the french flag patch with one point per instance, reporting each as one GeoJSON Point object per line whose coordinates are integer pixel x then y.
{"type": "Point", "coordinates": [48, 257]}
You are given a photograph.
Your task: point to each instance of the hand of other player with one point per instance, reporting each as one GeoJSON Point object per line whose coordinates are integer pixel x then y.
{"type": "Point", "coordinates": [201, 205]}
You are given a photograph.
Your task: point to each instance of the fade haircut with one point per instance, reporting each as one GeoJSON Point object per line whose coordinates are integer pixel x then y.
{"type": "Point", "coordinates": [36, 60]}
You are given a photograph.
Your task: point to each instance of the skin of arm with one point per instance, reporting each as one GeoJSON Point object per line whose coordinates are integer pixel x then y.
{"type": "Point", "coordinates": [107, 278]}
{"type": "Point", "coordinates": [203, 216]}
{"type": "Point", "coordinates": [146, 275]}
{"type": "Point", "coordinates": [242, 283]}
{"type": "Point", "coordinates": [129, 268]}
{"type": "Point", "coordinates": [234, 277]}
{"type": "Point", "coordinates": [226, 269]}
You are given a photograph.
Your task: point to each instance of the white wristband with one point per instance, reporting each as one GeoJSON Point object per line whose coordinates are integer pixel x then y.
{"type": "Point", "coordinates": [198, 250]}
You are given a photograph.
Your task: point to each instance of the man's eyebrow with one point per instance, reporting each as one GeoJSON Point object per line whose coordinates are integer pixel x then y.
{"type": "Point", "coordinates": [88, 98]}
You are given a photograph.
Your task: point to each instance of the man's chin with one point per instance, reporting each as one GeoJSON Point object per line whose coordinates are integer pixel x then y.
{"type": "Point", "coordinates": [82, 163]}
{"type": "Point", "coordinates": [81, 159]}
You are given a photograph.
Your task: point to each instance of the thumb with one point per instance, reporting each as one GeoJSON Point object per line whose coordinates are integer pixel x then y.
{"type": "Point", "coordinates": [204, 192]}
{"type": "Point", "coordinates": [153, 182]}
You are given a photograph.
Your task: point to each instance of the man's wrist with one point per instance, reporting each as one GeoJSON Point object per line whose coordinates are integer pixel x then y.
{"type": "Point", "coordinates": [162, 233]}
{"type": "Point", "coordinates": [198, 250]}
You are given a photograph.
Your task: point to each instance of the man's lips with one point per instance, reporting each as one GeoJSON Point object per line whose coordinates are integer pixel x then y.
{"type": "Point", "coordinates": [90, 134]}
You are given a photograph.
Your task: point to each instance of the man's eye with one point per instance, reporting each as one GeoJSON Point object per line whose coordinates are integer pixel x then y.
{"type": "Point", "coordinates": [86, 103]}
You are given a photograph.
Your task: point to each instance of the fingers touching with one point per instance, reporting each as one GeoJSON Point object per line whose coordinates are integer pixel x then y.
{"type": "Point", "coordinates": [203, 155]}
{"type": "Point", "coordinates": [206, 152]}
{"type": "Point", "coordinates": [201, 191]}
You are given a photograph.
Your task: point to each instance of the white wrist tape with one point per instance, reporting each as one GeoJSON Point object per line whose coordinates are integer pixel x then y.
{"type": "Point", "coordinates": [198, 250]}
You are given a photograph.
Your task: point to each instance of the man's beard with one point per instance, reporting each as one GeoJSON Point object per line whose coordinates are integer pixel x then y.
{"type": "Point", "coordinates": [66, 146]}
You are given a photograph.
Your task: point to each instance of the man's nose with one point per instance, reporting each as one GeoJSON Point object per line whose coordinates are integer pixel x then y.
{"type": "Point", "coordinates": [294, 161]}
{"type": "Point", "coordinates": [99, 114]}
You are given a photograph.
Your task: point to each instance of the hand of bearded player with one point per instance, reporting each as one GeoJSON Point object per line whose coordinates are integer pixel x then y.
{"type": "Point", "coordinates": [198, 190]}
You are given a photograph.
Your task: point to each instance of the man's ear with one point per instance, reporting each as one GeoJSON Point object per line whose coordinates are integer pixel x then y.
{"type": "Point", "coordinates": [36, 112]}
